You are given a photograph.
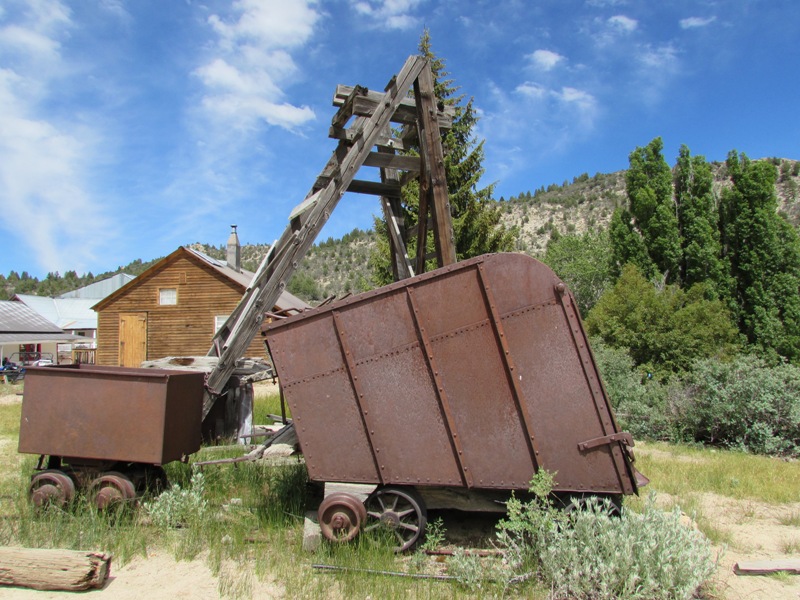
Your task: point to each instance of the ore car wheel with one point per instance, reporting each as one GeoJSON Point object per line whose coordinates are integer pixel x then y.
{"type": "Point", "coordinates": [402, 511]}
{"type": "Point", "coordinates": [341, 516]}
{"type": "Point", "coordinates": [111, 489]}
{"type": "Point", "coordinates": [51, 487]}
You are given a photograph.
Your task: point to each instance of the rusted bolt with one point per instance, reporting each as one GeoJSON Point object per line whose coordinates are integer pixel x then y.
{"type": "Point", "coordinates": [561, 288]}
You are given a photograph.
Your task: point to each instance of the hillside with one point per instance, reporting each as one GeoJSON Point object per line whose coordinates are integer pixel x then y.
{"type": "Point", "coordinates": [338, 267]}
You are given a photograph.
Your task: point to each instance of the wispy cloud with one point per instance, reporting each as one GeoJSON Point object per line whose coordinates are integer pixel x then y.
{"type": "Point", "coordinates": [535, 121]}
{"type": "Point", "coordinates": [388, 14]}
{"type": "Point", "coordinates": [695, 22]}
{"type": "Point", "coordinates": [623, 23]}
{"type": "Point", "coordinates": [43, 161]}
{"type": "Point", "coordinates": [545, 60]}
{"type": "Point", "coordinates": [251, 63]}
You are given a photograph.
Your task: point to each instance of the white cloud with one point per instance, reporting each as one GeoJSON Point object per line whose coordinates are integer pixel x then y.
{"type": "Point", "coordinates": [43, 161]}
{"type": "Point", "coordinates": [693, 22]}
{"type": "Point", "coordinates": [531, 90]}
{"type": "Point", "coordinates": [251, 64]}
{"type": "Point", "coordinates": [534, 121]}
{"type": "Point", "coordinates": [545, 60]}
{"type": "Point", "coordinates": [623, 23]}
{"type": "Point", "coordinates": [388, 14]}
{"type": "Point", "coordinates": [661, 58]}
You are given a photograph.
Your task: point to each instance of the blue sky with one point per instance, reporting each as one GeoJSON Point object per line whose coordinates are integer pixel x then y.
{"type": "Point", "coordinates": [131, 127]}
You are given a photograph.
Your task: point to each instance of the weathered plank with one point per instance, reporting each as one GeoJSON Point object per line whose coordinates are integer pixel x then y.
{"type": "Point", "coordinates": [45, 569]}
{"type": "Point", "coordinates": [767, 567]}
{"type": "Point", "coordinates": [375, 188]}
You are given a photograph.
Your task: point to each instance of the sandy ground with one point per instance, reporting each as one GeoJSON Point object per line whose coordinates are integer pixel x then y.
{"type": "Point", "coordinates": [755, 528]}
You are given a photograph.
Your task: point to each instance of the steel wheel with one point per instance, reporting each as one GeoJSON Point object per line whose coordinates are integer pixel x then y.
{"type": "Point", "coordinates": [51, 487]}
{"type": "Point", "coordinates": [341, 516]}
{"type": "Point", "coordinates": [111, 488]}
{"type": "Point", "coordinates": [402, 511]}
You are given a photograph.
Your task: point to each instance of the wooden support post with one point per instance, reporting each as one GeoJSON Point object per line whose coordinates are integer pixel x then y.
{"type": "Point", "coordinates": [431, 142]}
{"type": "Point", "coordinates": [41, 569]}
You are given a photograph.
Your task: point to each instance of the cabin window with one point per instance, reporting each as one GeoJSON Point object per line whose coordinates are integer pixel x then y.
{"type": "Point", "coordinates": [219, 321]}
{"type": "Point", "coordinates": [168, 296]}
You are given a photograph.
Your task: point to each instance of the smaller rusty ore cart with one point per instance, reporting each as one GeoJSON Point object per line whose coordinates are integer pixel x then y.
{"type": "Point", "coordinates": [107, 430]}
{"type": "Point", "coordinates": [467, 379]}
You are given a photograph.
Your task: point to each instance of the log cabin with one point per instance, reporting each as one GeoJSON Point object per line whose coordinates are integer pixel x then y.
{"type": "Point", "coordinates": [175, 307]}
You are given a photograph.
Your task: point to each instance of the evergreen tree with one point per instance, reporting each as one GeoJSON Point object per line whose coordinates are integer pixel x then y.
{"type": "Point", "coordinates": [476, 217]}
{"type": "Point", "coordinates": [648, 184]}
{"type": "Point", "coordinates": [627, 246]}
{"type": "Point", "coordinates": [764, 253]}
{"type": "Point", "coordinates": [698, 223]}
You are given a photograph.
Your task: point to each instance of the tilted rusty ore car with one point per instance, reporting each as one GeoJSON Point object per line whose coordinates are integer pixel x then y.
{"type": "Point", "coordinates": [106, 430]}
{"type": "Point", "coordinates": [469, 378]}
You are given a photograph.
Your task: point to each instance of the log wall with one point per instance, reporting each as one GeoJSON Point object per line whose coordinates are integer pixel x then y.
{"type": "Point", "coordinates": [184, 329]}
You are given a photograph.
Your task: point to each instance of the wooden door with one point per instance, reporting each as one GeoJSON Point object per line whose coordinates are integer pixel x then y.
{"type": "Point", "coordinates": [132, 339]}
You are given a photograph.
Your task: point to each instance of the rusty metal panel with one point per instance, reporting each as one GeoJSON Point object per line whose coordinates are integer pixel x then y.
{"type": "Point", "coordinates": [111, 413]}
{"type": "Point", "coordinates": [473, 375]}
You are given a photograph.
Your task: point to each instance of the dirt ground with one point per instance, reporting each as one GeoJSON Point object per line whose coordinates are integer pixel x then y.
{"type": "Point", "coordinates": [755, 528]}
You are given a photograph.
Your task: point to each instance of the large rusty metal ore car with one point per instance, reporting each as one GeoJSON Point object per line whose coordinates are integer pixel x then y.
{"type": "Point", "coordinates": [107, 430]}
{"type": "Point", "coordinates": [471, 377]}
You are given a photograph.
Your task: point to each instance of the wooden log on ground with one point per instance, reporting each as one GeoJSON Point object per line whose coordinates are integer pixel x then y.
{"type": "Point", "coordinates": [767, 567]}
{"type": "Point", "coordinates": [44, 569]}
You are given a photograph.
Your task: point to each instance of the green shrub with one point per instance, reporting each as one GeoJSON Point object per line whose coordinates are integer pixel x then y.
{"type": "Point", "coordinates": [639, 403]}
{"type": "Point", "coordinates": [591, 555]}
{"type": "Point", "coordinates": [178, 507]}
{"type": "Point", "coordinates": [743, 404]}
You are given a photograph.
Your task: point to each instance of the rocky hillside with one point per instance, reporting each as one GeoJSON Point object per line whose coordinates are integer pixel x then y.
{"type": "Point", "coordinates": [339, 267]}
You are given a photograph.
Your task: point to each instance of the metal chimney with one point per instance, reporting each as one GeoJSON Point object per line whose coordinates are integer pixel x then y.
{"type": "Point", "coordinates": [234, 256]}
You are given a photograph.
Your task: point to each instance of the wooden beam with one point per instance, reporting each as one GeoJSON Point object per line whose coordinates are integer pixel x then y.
{"type": "Point", "coordinates": [385, 160]}
{"type": "Point", "coordinates": [366, 103]}
{"type": "Point", "coordinates": [384, 141]}
{"type": "Point", "coordinates": [395, 223]}
{"type": "Point", "coordinates": [375, 188]}
{"type": "Point", "coordinates": [767, 567]}
{"type": "Point", "coordinates": [46, 569]}
{"type": "Point", "coordinates": [432, 146]}
{"type": "Point", "coordinates": [347, 108]}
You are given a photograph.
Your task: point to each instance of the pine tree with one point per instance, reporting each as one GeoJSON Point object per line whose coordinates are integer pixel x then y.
{"type": "Point", "coordinates": [476, 216]}
{"type": "Point", "coordinates": [764, 253]}
{"type": "Point", "coordinates": [698, 223]}
{"type": "Point", "coordinates": [627, 246]}
{"type": "Point", "coordinates": [648, 184]}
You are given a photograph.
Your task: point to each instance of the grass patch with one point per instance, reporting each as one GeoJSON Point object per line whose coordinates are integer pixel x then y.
{"type": "Point", "coordinates": [252, 523]}
{"type": "Point", "coordinates": [790, 546]}
{"type": "Point", "coordinates": [790, 520]}
{"type": "Point", "coordinates": [683, 470]}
